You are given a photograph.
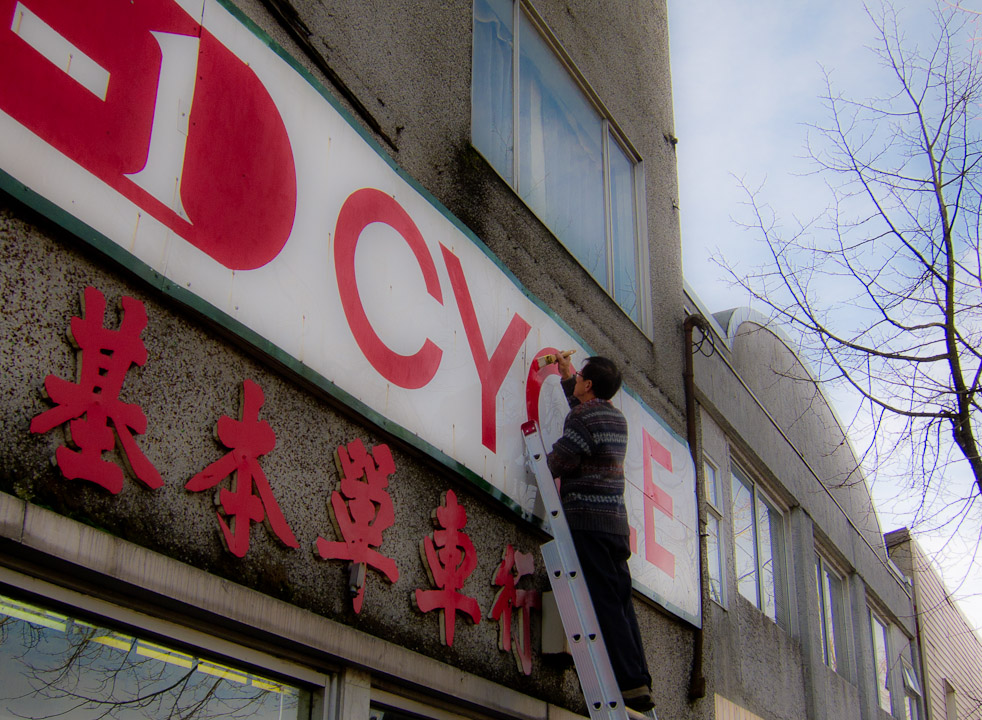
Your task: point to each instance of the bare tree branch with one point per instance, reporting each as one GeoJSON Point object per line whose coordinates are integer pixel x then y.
{"type": "Point", "coordinates": [899, 244]}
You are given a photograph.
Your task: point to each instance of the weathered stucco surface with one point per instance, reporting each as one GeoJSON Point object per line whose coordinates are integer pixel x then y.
{"type": "Point", "coordinates": [408, 65]}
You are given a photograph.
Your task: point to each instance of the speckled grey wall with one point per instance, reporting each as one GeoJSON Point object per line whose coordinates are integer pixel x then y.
{"type": "Point", "coordinates": [403, 70]}
{"type": "Point", "coordinates": [192, 377]}
{"type": "Point", "coordinates": [408, 63]}
{"type": "Point", "coordinates": [770, 369]}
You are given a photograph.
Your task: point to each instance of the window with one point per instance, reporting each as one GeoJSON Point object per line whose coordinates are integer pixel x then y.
{"type": "Point", "coordinates": [950, 701]}
{"type": "Point", "coordinates": [912, 688]}
{"type": "Point", "coordinates": [388, 706]}
{"type": "Point", "coordinates": [714, 549]}
{"type": "Point", "coordinates": [56, 665]}
{"type": "Point", "coordinates": [912, 711]}
{"type": "Point", "coordinates": [535, 121]}
{"type": "Point", "coordinates": [830, 596]}
{"type": "Point", "coordinates": [881, 661]}
{"type": "Point", "coordinates": [758, 544]}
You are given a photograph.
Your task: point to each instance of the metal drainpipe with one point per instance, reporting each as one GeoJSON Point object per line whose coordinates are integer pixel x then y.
{"type": "Point", "coordinates": [697, 682]}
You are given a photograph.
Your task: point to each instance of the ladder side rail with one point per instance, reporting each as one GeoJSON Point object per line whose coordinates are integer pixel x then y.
{"type": "Point", "coordinates": [586, 644]}
{"type": "Point", "coordinates": [573, 596]}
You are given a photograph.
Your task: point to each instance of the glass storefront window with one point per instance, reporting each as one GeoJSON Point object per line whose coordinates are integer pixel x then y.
{"type": "Point", "coordinates": [58, 666]}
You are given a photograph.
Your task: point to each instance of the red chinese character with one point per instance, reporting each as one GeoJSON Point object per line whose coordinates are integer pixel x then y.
{"type": "Point", "coordinates": [514, 566]}
{"type": "Point", "coordinates": [448, 568]}
{"type": "Point", "coordinates": [93, 402]}
{"type": "Point", "coordinates": [367, 513]}
{"type": "Point", "coordinates": [248, 439]}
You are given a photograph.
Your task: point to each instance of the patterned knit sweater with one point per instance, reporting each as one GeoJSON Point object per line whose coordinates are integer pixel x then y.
{"type": "Point", "coordinates": [589, 460]}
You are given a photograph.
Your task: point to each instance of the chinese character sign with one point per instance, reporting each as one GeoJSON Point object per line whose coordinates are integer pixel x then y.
{"type": "Point", "coordinates": [180, 128]}
{"type": "Point", "coordinates": [450, 558]}
{"type": "Point", "coordinates": [247, 439]}
{"type": "Point", "coordinates": [95, 415]}
{"type": "Point", "coordinates": [361, 511]}
{"type": "Point", "coordinates": [514, 566]}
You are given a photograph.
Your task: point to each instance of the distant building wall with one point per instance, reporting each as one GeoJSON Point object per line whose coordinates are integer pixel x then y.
{"type": "Point", "coordinates": [269, 343]}
{"type": "Point", "coordinates": [772, 445]}
{"type": "Point", "coordinates": [951, 650]}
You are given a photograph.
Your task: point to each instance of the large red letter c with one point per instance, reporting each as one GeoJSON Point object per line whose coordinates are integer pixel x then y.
{"type": "Point", "coordinates": [362, 208]}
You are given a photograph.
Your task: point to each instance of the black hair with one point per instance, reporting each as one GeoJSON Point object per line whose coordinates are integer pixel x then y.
{"type": "Point", "coordinates": [604, 375]}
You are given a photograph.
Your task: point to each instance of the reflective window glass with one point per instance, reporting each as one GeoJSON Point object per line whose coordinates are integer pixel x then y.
{"type": "Point", "coordinates": [744, 543]}
{"type": "Point", "coordinates": [912, 712]}
{"type": "Point", "coordinates": [715, 561]}
{"type": "Point", "coordinates": [561, 154]}
{"type": "Point", "coordinates": [831, 590]}
{"type": "Point", "coordinates": [830, 604]}
{"type": "Point", "coordinates": [759, 547]}
{"type": "Point", "coordinates": [768, 602]}
{"type": "Point", "coordinates": [624, 232]}
{"type": "Point", "coordinates": [912, 687]}
{"type": "Point", "coordinates": [881, 662]}
{"type": "Point", "coordinates": [55, 665]}
{"type": "Point", "coordinates": [491, 90]}
{"type": "Point", "coordinates": [712, 492]}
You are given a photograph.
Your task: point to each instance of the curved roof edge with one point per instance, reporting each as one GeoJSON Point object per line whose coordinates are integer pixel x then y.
{"type": "Point", "coordinates": [731, 320]}
{"type": "Point", "coordinates": [726, 325]}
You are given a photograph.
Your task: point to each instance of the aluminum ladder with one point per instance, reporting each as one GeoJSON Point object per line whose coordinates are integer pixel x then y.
{"type": "Point", "coordinates": [586, 644]}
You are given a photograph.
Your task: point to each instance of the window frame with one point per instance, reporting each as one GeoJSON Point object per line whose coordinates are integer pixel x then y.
{"type": "Point", "coordinates": [424, 709]}
{"type": "Point", "coordinates": [912, 689]}
{"type": "Point", "coordinates": [778, 556]}
{"type": "Point", "coordinates": [714, 521]}
{"type": "Point", "coordinates": [139, 620]}
{"type": "Point", "coordinates": [834, 652]}
{"type": "Point", "coordinates": [523, 15]}
{"type": "Point", "coordinates": [950, 700]}
{"type": "Point", "coordinates": [884, 695]}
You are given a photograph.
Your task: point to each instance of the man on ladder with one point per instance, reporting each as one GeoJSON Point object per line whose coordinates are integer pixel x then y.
{"type": "Point", "coordinates": [589, 461]}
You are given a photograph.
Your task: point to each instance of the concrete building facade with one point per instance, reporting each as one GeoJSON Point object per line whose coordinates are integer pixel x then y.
{"type": "Point", "coordinates": [823, 633]}
{"type": "Point", "coordinates": [275, 277]}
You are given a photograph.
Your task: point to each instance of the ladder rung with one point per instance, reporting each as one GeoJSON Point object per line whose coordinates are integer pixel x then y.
{"type": "Point", "coordinates": [603, 697]}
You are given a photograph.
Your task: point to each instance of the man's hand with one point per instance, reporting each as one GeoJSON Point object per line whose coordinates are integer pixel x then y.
{"type": "Point", "coordinates": [565, 366]}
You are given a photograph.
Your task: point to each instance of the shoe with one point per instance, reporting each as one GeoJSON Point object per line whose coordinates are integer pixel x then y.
{"type": "Point", "coordinates": [638, 699]}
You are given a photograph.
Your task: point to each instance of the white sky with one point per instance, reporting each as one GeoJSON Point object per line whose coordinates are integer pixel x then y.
{"type": "Point", "coordinates": [747, 78]}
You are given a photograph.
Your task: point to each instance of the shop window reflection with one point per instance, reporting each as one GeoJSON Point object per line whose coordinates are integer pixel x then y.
{"type": "Point", "coordinates": [57, 666]}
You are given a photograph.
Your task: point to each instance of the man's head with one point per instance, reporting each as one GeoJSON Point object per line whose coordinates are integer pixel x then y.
{"type": "Point", "coordinates": [603, 376]}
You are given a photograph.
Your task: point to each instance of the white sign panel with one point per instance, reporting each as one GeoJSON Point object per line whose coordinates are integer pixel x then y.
{"type": "Point", "coordinates": [177, 134]}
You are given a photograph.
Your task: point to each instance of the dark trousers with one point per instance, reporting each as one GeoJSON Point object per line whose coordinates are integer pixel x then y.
{"type": "Point", "coordinates": [603, 557]}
